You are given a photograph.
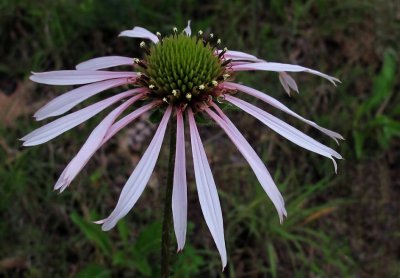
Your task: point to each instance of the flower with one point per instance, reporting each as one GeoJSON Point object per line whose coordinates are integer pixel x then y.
{"type": "Point", "coordinates": [181, 75]}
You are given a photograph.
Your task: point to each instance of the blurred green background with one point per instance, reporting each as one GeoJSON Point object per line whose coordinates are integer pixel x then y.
{"type": "Point", "coordinates": [344, 225]}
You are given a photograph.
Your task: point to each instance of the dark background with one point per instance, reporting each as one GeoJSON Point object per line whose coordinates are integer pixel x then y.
{"type": "Point", "coordinates": [344, 225]}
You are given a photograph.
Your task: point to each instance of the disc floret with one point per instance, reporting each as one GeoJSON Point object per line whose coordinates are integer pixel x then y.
{"type": "Point", "coordinates": [183, 70]}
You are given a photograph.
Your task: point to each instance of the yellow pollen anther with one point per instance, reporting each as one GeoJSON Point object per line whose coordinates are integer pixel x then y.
{"type": "Point", "coordinates": [225, 49]}
{"type": "Point", "coordinates": [219, 41]}
{"type": "Point", "coordinates": [188, 96]}
{"type": "Point", "coordinates": [175, 29]}
{"type": "Point", "coordinates": [158, 34]}
{"type": "Point", "coordinates": [211, 35]}
{"type": "Point", "coordinates": [225, 76]}
{"type": "Point", "coordinates": [136, 60]}
{"type": "Point", "coordinates": [165, 100]}
{"type": "Point", "coordinates": [142, 44]}
{"type": "Point", "coordinates": [215, 83]}
{"type": "Point", "coordinates": [201, 87]}
{"type": "Point", "coordinates": [139, 74]}
{"type": "Point", "coordinates": [151, 86]}
{"type": "Point", "coordinates": [200, 32]}
{"type": "Point", "coordinates": [174, 93]}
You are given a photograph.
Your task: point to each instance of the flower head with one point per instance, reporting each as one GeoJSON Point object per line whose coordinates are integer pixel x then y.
{"type": "Point", "coordinates": [181, 75]}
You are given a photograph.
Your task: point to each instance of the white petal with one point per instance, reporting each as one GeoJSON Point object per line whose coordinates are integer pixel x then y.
{"type": "Point", "coordinates": [252, 158]}
{"type": "Point", "coordinates": [61, 125]}
{"type": "Point", "coordinates": [127, 119]}
{"type": "Point", "coordinates": [77, 77]}
{"type": "Point", "coordinates": [179, 193]}
{"type": "Point", "coordinates": [238, 55]}
{"type": "Point", "coordinates": [208, 195]}
{"type": "Point", "coordinates": [278, 67]}
{"type": "Point", "coordinates": [139, 32]}
{"type": "Point", "coordinates": [68, 100]}
{"type": "Point", "coordinates": [187, 30]}
{"type": "Point", "coordinates": [284, 129]}
{"type": "Point", "coordinates": [104, 62]}
{"type": "Point", "coordinates": [277, 104]}
{"type": "Point", "coordinates": [92, 144]}
{"type": "Point", "coordinates": [139, 178]}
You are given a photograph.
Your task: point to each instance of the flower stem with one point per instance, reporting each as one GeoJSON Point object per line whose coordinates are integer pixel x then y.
{"type": "Point", "coordinates": [167, 221]}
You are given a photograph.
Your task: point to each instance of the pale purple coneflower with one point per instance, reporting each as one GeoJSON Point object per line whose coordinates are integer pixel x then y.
{"type": "Point", "coordinates": [181, 75]}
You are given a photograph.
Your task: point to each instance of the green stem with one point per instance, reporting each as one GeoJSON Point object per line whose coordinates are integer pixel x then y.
{"type": "Point", "coordinates": [167, 221]}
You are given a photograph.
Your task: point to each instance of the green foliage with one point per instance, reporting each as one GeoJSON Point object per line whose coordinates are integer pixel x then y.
{"type": "Point", "coordinates": [134, 256]}
{"type": "Point", "coordinates": [94, 271]}
{"type": "Point", "coordinates": [93, 233]}
{"type": "Point", "coordinates": [369, 121]}
{"type": "Point", "coordinates": [297, 241]}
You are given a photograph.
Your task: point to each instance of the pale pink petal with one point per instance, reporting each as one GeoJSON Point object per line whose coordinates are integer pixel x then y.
{"type": "Point", "coordinates": [139, 32]}
{"type": "Point", "coordinates": [238, 55]}
{"type": "Point", "coordinates": [275, 103]}
{"type": "Point", "coordinates": [139, 178]}
{"type": "Point", "coordinates": [252, 158]}
{"type": "Point", "coordinates": [92, 144]}
{"type": "Point", "coordinates": [288, 82]}
{"type": "Point", "coordinates": [61, 125]}
{"type": "Point", "coordinates": [179, 193]}
{"type": "Point", "coordinates": [278, 67]}
{"type": "Point", "coordinates": [68, 100]}
{"type": "Point", "coordinates": [208, 195]}
{"type": "Point", "coordinates": [104, 62]}
{"type": "Point", "coordinates": [127, 119]}
{"type": "Point", "coordinates": [76, 77]}
{"type": "Point", "coordinates": [187, 30]}
{"type": "Point", "coordinates": [286, 130]}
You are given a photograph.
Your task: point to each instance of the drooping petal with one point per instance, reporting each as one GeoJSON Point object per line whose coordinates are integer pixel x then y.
{"type": "Point", "coordinates": [286, 130]}
{"type": "Point", "coordinates": [68, 100]}
{"type": "Point", "coordinates": [104, 62]}
{"type": "Point", "coordinates": [187, 30]}
{"type": "Point", "coordinates": [208, 195]}
{"type": "Point", "coordinates": [139, 32]}
{"type": "Point", "coordinates": [127, 119]}
{"type": "Point", "coordinates": [179, 193]}
{"type": "Point", "coordinates": [77, 77]}
{"type": "Point", "coordinates": [252, 158]}
{"type": "Point", "coordinates": [61, 125]}
{"type": "Point", "coordinates": [277, 104]}
{"type": "Point", "coordinates": [238, 55]}
{"type": "Point", "coordinates": [139, 178]}
{"type": "Point", "coordinates": [278, 67]}
{"type": "Point", "coordinates": [288, 82]}
{"type": "Point", "coordinates": [92, 144]}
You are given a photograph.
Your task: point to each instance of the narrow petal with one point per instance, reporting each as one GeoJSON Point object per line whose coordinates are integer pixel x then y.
{"type": "Point", "coordinates": [92, 144]}
{"type": "Point", "coordinates": [61, 125]}
{"type": "Point", "coordinates": [76, 77]}
{"type": "Point", "coordinates": [187, 30]}
{"type": "Point", "coordinates": [278, 67]}
{"type": "Point", "coordinates": [68, 100]}
{"type": "Point", "coordinates": [277, 104]}
{"type": "Point", "coordinates": [238, 55]}
{"type": "Point", "coordinates": [127, 119]}
{"type": "Point", "coordinates": [286, 130]}
{"type": "Point", "coordinates": [252, 158]}
{"type": "Point", "coordinates": [288, 83]}
{"type": "Point", "coordinates": [104, 62]}
{"type": "Point", "coordinates": [139, 32]}
{"type": "Point", "coordinates": [179, 193]}
{"type": "Point", "coordinates": [139, 178]}
{"type": "Point", "coordinates": [208, 195]}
